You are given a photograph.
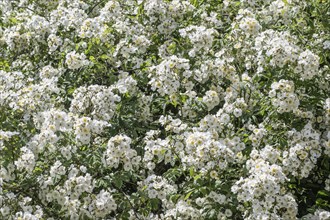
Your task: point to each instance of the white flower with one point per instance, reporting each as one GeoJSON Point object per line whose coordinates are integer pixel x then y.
{"type": "Point", "coordinates": [76, 61]}
{"type": "Point", "coordinates": [250, 25]}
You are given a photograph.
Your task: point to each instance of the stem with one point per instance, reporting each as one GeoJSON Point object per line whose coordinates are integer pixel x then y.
{"type": "Point", "coordinates": [126, 197]}
{"type": "Point", "coordinates": [91, 10]}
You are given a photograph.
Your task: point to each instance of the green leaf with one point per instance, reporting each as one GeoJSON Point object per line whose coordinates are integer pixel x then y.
{"type": "Point", "coordinates": [192, 171]}
{"type": "Point", "coordinates": [188, 195]}
{"type": "Point", "coordinates": [323, 193]}
{"type": "Point", "coordinates": [118, 182]}
{"type": "Point", "coordinates": [154, 204]}
{"type": "Point", "coordinates": [174, 198]}
{"type": "Point", "coordinates": [70, 91]}
{"type": "Point", "coordinates": [104, 57]}
{"type": "Point", "coordinates": [197, 177]}
{"type": "Point", "coordinates": [203, 190]}
{"type": "Point", "coordinates": [92, 58]}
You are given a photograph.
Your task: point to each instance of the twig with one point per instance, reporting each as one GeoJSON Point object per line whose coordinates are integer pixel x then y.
{"type": "Point", "coordinates": [91, 10]}
{"type": "Point", "coordinates": [129, 202]}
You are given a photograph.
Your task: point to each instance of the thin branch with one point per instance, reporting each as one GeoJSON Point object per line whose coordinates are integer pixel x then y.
{"type": "Point", "coordinates": [129, 201]}
{"type": "Point", "coordinates": [91, 10]}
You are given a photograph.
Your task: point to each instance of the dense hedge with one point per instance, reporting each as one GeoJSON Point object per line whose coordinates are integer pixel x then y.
{"type": "Point", "coordinates": [160, 109]}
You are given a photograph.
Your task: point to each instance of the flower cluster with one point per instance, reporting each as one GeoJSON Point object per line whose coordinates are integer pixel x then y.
{"type": "Point", "coordinates": [119, 152]}
{"type": "Point", "coordinates": [168, 75]}
{"type": "Point", "coordinates": [84, 128]}
{"type": "Point", "coordinates": [98, 100]}
{"type": "Point", "coordinates": [283, 96]}
{"type": "Point", "coordinates": [5, 136]}
{"type": "Point", "coordinates": [158, 187]}
{"type": "Point", "coordinates": [76, 61]}
{"type": "Point", "coordinates": [304, 151]}
{"type": "Point", "coordinates": [263, 189]}
{"type": "Point", "coordinates": [308, 65]}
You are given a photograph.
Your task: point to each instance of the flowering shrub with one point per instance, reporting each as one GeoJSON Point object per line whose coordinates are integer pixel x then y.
{"type": "Point", "coordinates": [164, 109]}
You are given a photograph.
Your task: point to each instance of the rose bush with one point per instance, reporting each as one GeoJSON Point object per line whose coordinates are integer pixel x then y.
{"type": "Point", "coordinates": [164, 109]}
